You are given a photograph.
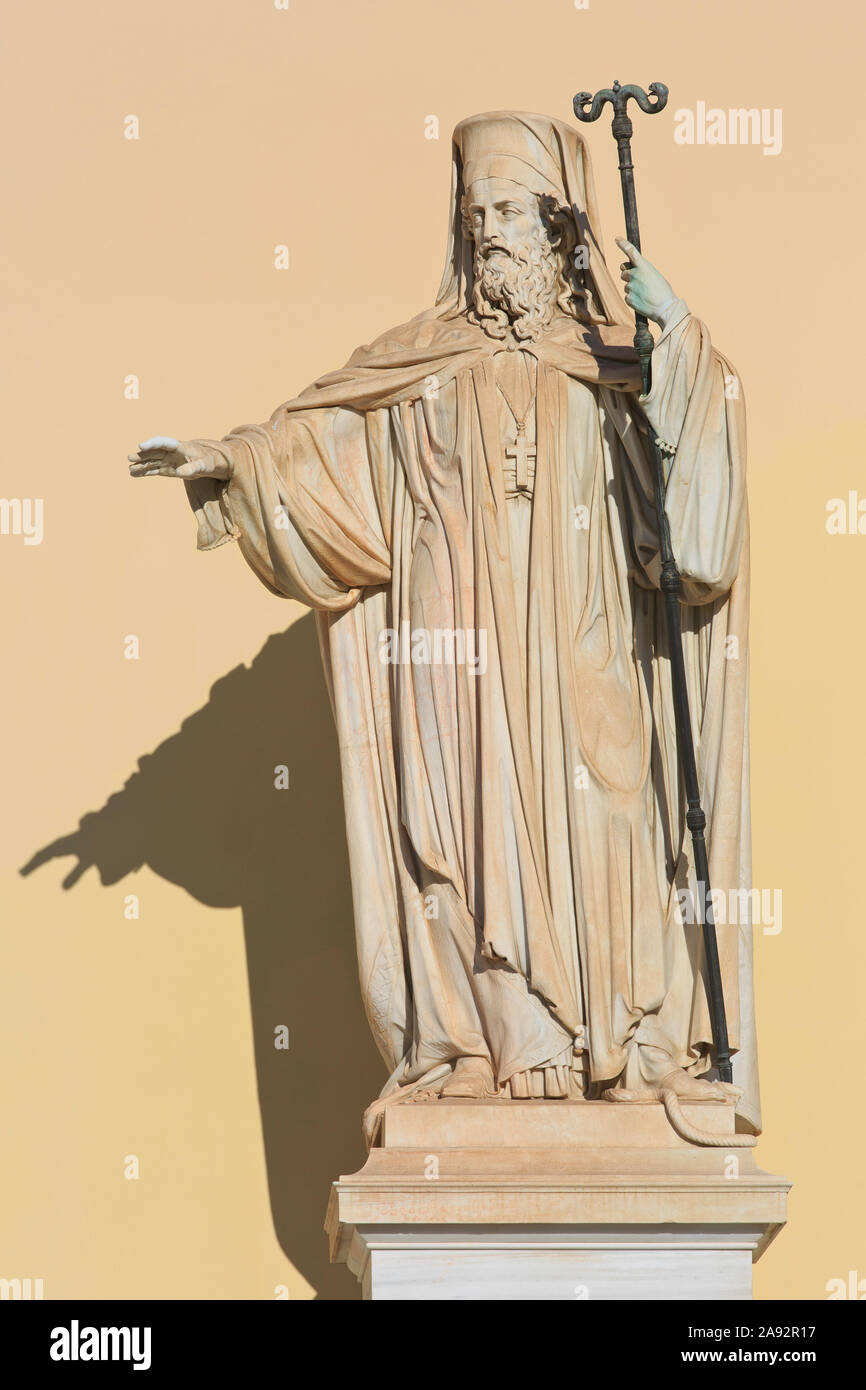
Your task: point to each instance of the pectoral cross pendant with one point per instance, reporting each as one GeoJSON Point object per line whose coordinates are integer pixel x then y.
{"type": "Point", "coordinates": [521, 451]}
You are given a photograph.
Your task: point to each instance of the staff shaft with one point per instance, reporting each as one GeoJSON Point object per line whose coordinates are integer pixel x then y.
{"type": "Point", "coordinates": [670, 582]}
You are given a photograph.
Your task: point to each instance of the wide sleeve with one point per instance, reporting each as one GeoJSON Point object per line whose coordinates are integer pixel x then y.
{"type": "Point", "coordinates": [695, 407]}
{"type": "Point", "coordinates": [308, 502]}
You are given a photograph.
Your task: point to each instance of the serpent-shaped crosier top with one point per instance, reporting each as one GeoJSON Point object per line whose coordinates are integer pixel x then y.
{"type": "Point", "coordinates": [618, 96]}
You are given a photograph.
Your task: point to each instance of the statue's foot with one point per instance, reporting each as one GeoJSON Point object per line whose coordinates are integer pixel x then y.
{"type": "Point", "coordinates": [693, 1088]}
{"type": "Point", "coordinates": [684, 1087]}
{"type": "Point", "coordinates": [471, 1079]}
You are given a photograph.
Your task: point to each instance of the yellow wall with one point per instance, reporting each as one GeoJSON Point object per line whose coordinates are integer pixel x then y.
{"type": "Point", "coordinates": [155, 257]}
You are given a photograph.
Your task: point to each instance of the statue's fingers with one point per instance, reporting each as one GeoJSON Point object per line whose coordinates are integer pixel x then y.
{"type": "Point", "coordinates": [159, 441]}
{"type": "Point", "coordinates": [151, 456]}
{"type": "Point", "coordinates": [193, 469]}
{"type": "Point", "coordinates": [138, 462]}
{"type": "Point", "coordinates": [159, 448]}
{"type": "Point", "coordinates": [158, 456]}
{"type": "Point", "coordinates": [630, 250]}
{"type": "Point", "coordinates": [153, 470]}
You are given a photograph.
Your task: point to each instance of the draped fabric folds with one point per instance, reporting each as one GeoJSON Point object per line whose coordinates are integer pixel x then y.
{"type": "Point", "coordinates": [516, 826]}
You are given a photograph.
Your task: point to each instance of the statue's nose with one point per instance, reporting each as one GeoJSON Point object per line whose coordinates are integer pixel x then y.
{"type": "Point", "coordinates": [491, 224]}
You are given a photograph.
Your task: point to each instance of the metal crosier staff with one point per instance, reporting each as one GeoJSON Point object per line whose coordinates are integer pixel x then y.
{"type": "Point", "coordinates": [588, 108]}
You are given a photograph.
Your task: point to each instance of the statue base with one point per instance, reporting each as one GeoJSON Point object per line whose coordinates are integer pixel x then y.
{"type": "Point", "coordinates": [554, 1200]}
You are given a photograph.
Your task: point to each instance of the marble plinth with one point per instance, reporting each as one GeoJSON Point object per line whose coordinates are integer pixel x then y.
{"type": "Point", "coordinates": [559, 1200]}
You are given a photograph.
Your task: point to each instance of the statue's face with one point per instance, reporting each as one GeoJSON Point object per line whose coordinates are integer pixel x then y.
{"type": "Point", "coordinates": [515, 265]}
{"type": "Point", "coordinates": [498, 210]}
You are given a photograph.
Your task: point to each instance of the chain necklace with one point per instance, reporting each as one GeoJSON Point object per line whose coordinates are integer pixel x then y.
{"type": "Point", "coordinates": [521, 450]}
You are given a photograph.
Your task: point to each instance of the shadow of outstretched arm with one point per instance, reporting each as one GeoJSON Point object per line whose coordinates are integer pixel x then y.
{"type": "Point", "coordinates": [203, 812]}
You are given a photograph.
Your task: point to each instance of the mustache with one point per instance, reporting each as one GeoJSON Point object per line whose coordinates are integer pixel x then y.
{"type": "Point", "coordinates": [494, 244]}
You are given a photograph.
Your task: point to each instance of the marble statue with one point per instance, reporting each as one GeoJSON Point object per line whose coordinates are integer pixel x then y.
{"type": "Point", "coordinates": [467, 506]}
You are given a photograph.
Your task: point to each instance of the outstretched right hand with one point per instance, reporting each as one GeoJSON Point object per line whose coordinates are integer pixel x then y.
{"type": "Point", "coordinates": [164, 457]}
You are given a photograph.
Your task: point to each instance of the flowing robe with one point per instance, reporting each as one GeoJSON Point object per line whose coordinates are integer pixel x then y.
{"type": "Point", "coordinates": [516, 826]}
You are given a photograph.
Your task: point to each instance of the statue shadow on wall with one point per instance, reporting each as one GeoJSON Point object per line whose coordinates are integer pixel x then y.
{"type": "Point", "coordinates": [202, 811]}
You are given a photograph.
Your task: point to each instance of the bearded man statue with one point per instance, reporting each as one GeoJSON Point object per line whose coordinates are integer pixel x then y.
{"type": "Point", "coordinates": [478, 481]}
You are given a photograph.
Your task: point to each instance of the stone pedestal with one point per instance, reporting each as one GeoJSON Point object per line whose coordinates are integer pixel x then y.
{"type": "Point", "coordinates": [557, 1200]}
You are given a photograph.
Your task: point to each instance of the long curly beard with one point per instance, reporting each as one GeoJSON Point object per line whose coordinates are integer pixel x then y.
{"type": "Point", "coordinates": [515, 287]}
